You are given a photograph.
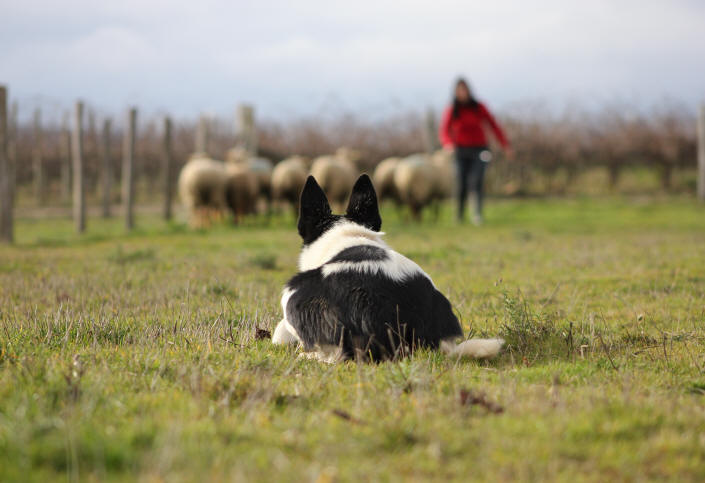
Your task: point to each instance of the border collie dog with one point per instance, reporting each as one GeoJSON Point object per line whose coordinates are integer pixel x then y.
{"type": "Point", "coordinates": [356, 297]}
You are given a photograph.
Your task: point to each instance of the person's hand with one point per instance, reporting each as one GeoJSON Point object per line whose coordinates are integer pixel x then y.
{"type": "Point", "coordinates": [509, 153]}
{"type": "Point", "coordinates": [448, 147]}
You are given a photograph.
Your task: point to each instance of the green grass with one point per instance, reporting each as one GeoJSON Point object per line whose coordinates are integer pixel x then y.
{"type": "Point", "coordinates": [134, 356]}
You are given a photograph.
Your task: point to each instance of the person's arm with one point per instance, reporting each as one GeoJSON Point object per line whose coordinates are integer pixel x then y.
{"type": "Point", "coordinates": [444, 133]}
{"type": "Point", "coordinates": [496, 129]}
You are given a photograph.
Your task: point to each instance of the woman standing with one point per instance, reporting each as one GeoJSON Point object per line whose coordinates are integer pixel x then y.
{"type": "Point", "coordinates": [463, 129]}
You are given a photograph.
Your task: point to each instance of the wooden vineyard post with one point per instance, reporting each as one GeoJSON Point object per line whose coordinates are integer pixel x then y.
{"type": "Point", "coordinates": [128, 175]}
{"type": "Point", "coordinates": [12, 150]}
{"type": "Point", "coordinates": [247, 130]}
{"type": "Point", "coordinates": [37, 160]}
{"type": "Point", "coordinates": [6, 180]}
{"type": "Point", "coordinates": [107, 169]}
{"type": "Point", "coordinates": [167, 168]}
{"type": "Point", "coordinates": [202, 135]}
{"type": "Point", "coordinates": [79, 191]}
{"type": "Point", "coordinates": [431, 131]}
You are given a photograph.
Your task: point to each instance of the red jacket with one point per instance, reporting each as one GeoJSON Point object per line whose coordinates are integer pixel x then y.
{"type": "Point", "coordinates": [468, 129]}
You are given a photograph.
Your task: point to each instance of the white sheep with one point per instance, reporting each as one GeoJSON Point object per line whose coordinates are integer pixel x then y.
{"type": "Point", "coordinates": [415, 182]}
{"type": "Point", "coordinates": [336, 176]}
{"type": "Point", "coordinates": [351, 157]}
{"type": "Point", "coordinates": [237, 154]}
{"type": "Point", "coordinates": [383, 179]}
{"type": "Point", "coordinates": [241, 190]}
{"type": "Point", "coordinates": [446, 174]}
{"type": "Point", "coordinates": [202, 189]}
{"type": "Point", "coordinates": [261, 167]}
{"type": "Point", "coordinates": [288, 179]}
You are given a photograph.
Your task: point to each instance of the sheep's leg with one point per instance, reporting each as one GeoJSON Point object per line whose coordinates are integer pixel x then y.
{"type": "Point", "coordinates": [198, 217]}
{"type": "Point", "coordinates": [217, 215]}
{"type": "Point", "coordinates": [268, 201]}
{"type": "Point", "coordinates": [192, 217]}
{"type": "Point", "coordinates": [436, 211]}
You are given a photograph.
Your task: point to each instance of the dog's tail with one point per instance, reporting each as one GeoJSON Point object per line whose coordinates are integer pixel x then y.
{"type": "Point", "coordinates": [474, 348]}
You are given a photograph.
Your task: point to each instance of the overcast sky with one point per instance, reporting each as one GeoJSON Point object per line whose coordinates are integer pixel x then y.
{"type": "Point", "coordinates": [293, 57]}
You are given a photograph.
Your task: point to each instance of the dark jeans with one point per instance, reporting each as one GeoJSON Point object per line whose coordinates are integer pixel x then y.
{"type": "Point", "coordinates": [471, 170]}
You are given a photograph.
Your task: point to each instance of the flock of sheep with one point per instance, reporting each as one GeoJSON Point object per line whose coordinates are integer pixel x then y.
{"type": "Point", "coordinates": [246, 184]}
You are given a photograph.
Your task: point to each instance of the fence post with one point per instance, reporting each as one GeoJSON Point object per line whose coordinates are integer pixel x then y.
{"type": "Point", "coordinates": [128, 175]}
{"type": "Point", "coordinates": [701, 153]}
{"type": "Point", "coordinates": [12, 151]}
{"type": "Point", "coordinates": [79, 191]}
{"type": "Point", "coordinates": [65, 155]}
{"type": "Point", "coordinates": [202, 135]}
{"type": "Point", "coordinates": [37, 161]}
{"type": "Point", "coordinates": [247, 131]}
{"type": "Point", "coordinates": [6, 189]}
{"type": "Point", "coordinates": [167, 168]}
{"type": "Point", "coordinates": [107, 169]}
{"type": "Point", "coordinates": [431, 131]}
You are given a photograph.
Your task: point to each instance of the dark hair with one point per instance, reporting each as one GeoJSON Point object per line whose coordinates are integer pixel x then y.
{"type": "Point", "coordinates": [471, 103]}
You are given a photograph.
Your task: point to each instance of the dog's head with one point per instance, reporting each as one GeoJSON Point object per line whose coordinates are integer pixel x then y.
{"type": "Point", "coordinates": [315, 216]}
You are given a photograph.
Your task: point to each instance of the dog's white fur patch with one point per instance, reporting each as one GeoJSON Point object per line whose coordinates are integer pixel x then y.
{"type": "Point", "coordinates": [330, 354]}
{"type": "Point", "coordinates": [345, 234]}
{"type": "Point", "coordinates": [474, 348]}
{"type": "Point", "coordinates": [285, 334]}
{"type": "Point", "coordinates": [286, 295]}
{"type": "Point", "coordinates": [396, 266]}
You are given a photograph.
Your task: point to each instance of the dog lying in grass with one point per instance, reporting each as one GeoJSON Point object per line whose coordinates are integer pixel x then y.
{"type": "Point", "coordinates": [356, 297]}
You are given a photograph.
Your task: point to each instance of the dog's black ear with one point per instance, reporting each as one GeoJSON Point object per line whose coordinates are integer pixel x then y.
{"type": "Point", "coordinates": [363, 208]}
{"type": "Point", "coordinates": [313, 208]}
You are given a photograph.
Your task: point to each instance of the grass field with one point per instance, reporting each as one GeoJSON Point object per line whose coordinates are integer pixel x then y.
{"type": "Point", "coordinates": [135, 356]}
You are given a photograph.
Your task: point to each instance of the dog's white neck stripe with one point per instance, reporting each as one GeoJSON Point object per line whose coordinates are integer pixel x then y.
{"type": "Point", "coordinates": [344, 234]}
{"type": "Point", "coordinates": [396, 266]}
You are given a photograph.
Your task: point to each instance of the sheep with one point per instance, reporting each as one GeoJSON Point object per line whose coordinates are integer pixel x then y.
{"type": "Point", "coordinates": [237, 154]}
{"type": "Point", "coordinates": [444, 163]}
{"type": "Point", "coordinates": [261, 167]}
{"type": "Point", "coordinates": [415, 182]}
{"type": "Point", "coordinates": [383, 178]}
{"type": "Point", "coordinates": [241, 190]}
{"type": "Point", "coordinates": [351, 157]}
{"type": "Point", "coordinates": [442, 177]}
{"type": "Point", "coordinates": [288, 179]}
{"type": "Point", "coordinates": [202, 189]}
{"type": "Point", "coordinates": [336, 176]}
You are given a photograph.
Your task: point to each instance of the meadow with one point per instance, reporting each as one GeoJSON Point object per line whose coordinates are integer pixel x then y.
{"type": "Point", "coordinates": [144, 356]}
